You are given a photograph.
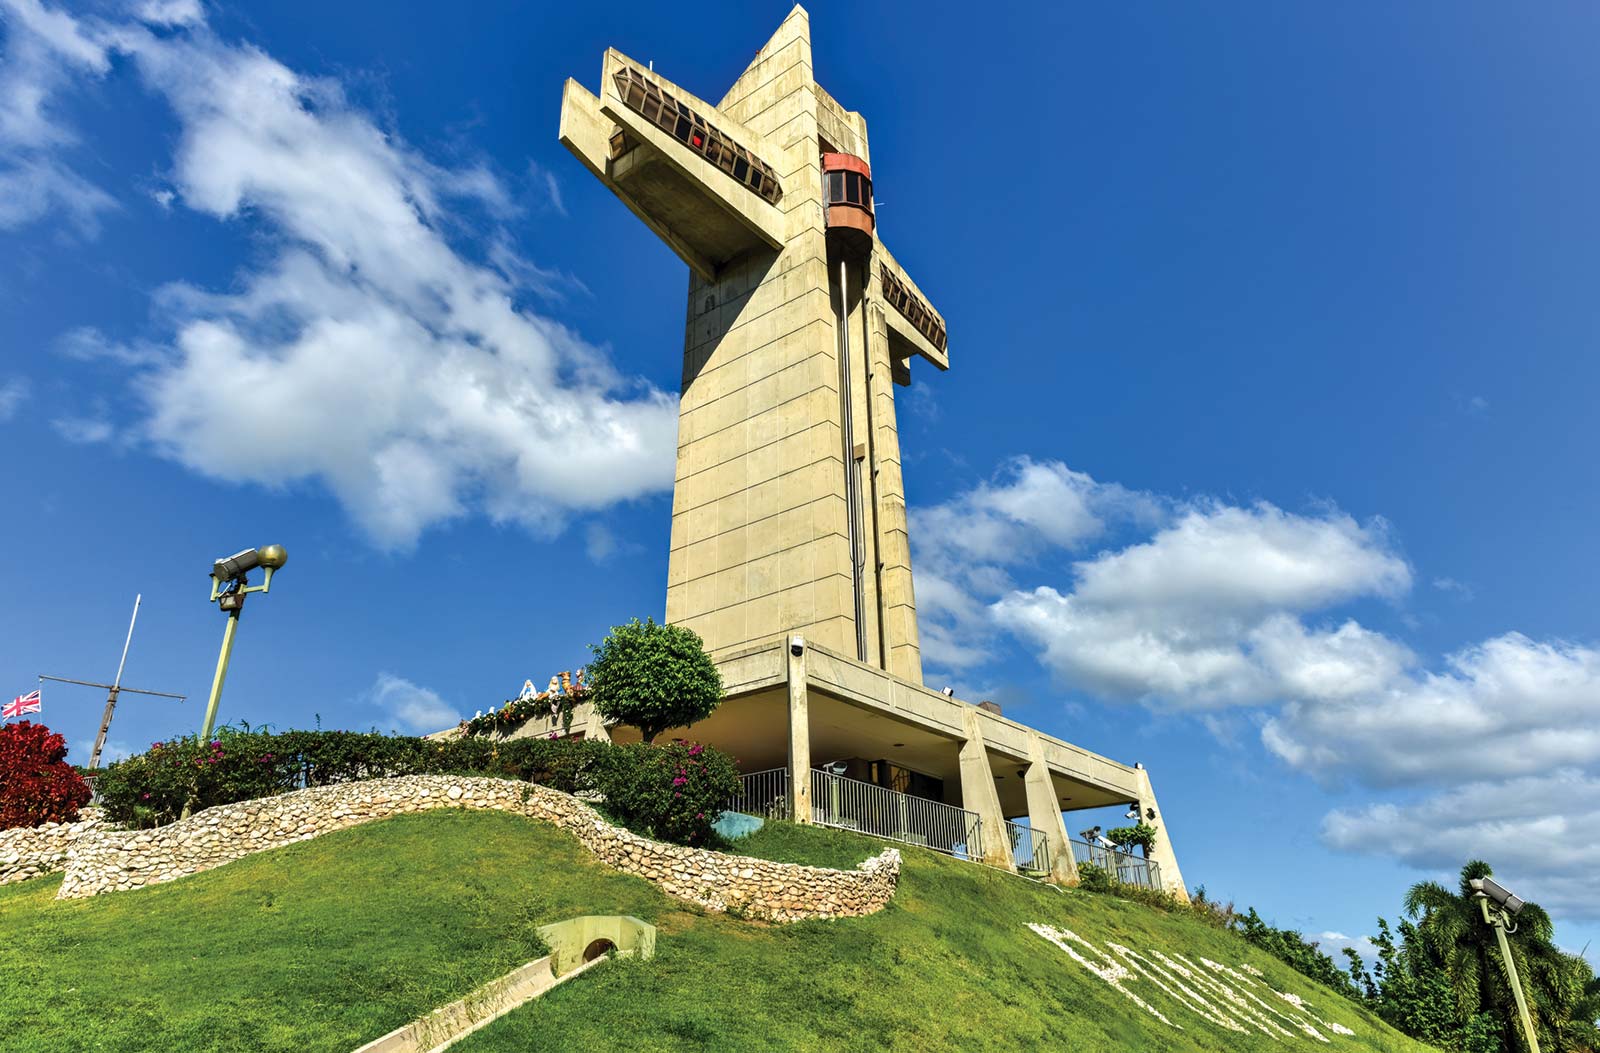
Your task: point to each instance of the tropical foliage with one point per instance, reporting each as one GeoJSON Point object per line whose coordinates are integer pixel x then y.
{"type": "Point", "coordinates": [37, 785]}
{"type": "Point", "coordinates": [653, 677]}
{"type": "Point", "coordinates": [1439, 977]}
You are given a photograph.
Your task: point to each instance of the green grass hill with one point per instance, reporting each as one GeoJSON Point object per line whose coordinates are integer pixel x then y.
{"type": "Point", "coordinates": [325, 945]}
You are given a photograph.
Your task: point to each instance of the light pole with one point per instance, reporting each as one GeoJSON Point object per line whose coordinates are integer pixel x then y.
{"type": "Point", "coordinates": [1502, 918]}
{"type": "Point", "coordinates": [229, 586]}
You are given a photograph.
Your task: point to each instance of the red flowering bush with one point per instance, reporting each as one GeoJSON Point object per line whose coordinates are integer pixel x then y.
{"type": "Point", "coordinates": [671, 792]}
{"type": "Point", "coordinates": [37, 785]}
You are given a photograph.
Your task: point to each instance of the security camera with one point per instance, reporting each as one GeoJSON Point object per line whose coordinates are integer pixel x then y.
{"type": "Point", "coordinates": [237, 565]}
{"type": "Point", "coordinates": [1133, 810]}
{"type": "Point", "coordinates": [797, 645]}
{"type": "Point", "coordinates": [1501, 896]}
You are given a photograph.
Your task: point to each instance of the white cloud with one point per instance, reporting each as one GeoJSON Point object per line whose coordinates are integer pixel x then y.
{"type": "Point", "coordinates": [1507, 707]}
{"type": "Point", "coordinates": [599, 542]}
{"type": "Point", "coordinates": [13, 393]}
{"type": "Point", "coordinates": [1223, 560]}
{"type": "Point", "coordinates": [1541, 833]}
{"type": "Point", "coordinates": [171, 12]}
{"type": "Point", "coordinates": [965, 545]}
{"type": "Point", "coordinates": [1333, 945]}
{"type": "Point", "coordinates": [411, 707]}
{"type": "Point", "coordinates": [35, 187]}
{"type": "Point", "coordinates": [83, 431]}
{"type": "Point", "coordinates": [371, 354]}
{"type": "Point", "coordinates": [88, 344]}
{"type": "Point", "coordinates": [44, 49]}
{"type": "Point", "coordinates": [1225, 605]}
{"type": "Point", "coordinates": [1205, 613]}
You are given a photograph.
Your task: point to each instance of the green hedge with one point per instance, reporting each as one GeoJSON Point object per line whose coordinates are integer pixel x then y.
{"type": "Point", "coordinates": [639, 782]}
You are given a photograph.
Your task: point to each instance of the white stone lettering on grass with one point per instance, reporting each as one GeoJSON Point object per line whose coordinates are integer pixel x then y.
{"type": "Point", "coordinates": [1110, 972]}
{"type": "Point", "coordinates": [1174, 987]}
{"type": "Point", "coordinates": [1305, 1007]}
{"type": "Point", "coordinates": [1197, 988]}
{"type": "Point", "coordinates": [1302, 1022]}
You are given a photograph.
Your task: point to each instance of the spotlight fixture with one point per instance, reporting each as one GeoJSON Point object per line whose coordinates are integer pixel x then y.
{"type": "Point", "coordinates": [1500, 907]}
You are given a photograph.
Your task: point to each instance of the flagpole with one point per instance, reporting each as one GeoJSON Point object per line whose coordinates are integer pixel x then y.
{"type": "Point", "coordinates": [116, 686]}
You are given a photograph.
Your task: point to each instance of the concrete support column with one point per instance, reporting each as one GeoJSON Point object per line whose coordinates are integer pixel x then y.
{"type": "Point", "coordinates": [799, 731]}
{"type": "Point", "coordinates": [1044, 814]}
{"type": "Point", "coordinates": [1162, 855]}
{"type": "Point", "coordinates": [978, 793]}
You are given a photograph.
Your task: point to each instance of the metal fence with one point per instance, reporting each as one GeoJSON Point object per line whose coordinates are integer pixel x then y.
{"type": "Point", "coordinates": [1029, 850]}
{"type": "Point", "coordinates": [763, 793]}
{"type": "Point", "coordinates": [850, 804]}
{"type": "Point", "coordinates": [1122, 866]}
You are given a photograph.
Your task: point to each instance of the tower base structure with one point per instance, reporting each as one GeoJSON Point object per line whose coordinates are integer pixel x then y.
{"type": "Point", "coordinates": [832, 733]}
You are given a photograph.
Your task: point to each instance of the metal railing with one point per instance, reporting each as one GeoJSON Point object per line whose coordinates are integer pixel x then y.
{"type": "Point", "coordinates": [1029, 850]}
{"type": "Point", "coordinates": [850, 804]}
{"type": "Point", "coordinates": [762, 793]}
{"type": "Point", "coordinates": [1125, 867]}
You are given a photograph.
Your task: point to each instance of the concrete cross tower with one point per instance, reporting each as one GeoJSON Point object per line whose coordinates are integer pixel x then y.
{"type": "Point", "coordinates": [788, 508]}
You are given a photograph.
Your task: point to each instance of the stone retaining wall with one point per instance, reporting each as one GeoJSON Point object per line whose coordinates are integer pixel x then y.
{"type": "Point", "coordinates": [31, 851]}
{"type": "Point", "coordinates": [110, 859]}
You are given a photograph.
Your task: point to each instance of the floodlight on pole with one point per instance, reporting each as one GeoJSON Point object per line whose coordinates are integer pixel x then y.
{"type": "Point", "coordinates": [1500, 908]}
{"type": "Point", "coordinates": [229, 586]}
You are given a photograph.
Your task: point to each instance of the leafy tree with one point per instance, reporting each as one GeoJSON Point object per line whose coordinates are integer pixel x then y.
{"type": "Point", "coordinates": [1443, 980]}
{"type": "Point", "coordinates": [1141, 834]}
{"type": "Point", "coordinates": [1294, 950]}
{"type": "Point", "coordinates": [37, 785]}
{"type": "Point", "coordinates": [653, 677]}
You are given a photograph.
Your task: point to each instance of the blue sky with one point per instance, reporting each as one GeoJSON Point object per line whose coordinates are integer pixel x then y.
{"type": "Point", "coordinates": [1265, 458]}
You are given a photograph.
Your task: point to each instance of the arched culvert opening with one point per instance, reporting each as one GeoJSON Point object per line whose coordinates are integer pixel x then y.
{"type": "Point", "coordinates": [597, 948]}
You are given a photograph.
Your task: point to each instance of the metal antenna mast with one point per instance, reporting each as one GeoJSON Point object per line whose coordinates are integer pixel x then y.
{"type": "Point", "coordinates": [115, 688]}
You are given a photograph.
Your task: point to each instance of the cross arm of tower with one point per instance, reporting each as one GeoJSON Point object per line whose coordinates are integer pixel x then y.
{"type": "Point", "coordinates": [701, 180]}
{"type": "Point", "coordinates": [915, 326]}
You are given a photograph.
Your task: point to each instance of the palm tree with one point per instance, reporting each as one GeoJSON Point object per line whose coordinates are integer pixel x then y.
{"type": "Point", "coordinates": [1451, 933]}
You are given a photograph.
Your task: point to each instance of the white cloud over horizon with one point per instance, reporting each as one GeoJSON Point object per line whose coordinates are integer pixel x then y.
{"type": "Point", "coordinates": [1208, 606]}
{"type": "Point", "coordinates": [368, 353]}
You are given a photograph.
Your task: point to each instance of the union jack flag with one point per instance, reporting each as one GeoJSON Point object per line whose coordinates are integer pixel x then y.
{"type": "Point", "coordinates": [29, 703]}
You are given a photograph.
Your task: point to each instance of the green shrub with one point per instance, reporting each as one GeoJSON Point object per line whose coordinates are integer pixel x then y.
{"type": "Point", "coordinates": [241, 764]}
{"type": "Point", "coordinates": [1295, 951]}
{"type": "Point", "coordinates": [672, 792]}
{"type": "Point", "coordinates": [1092, 878]}
{"type": "Point", "coordinates": [653, 677]}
